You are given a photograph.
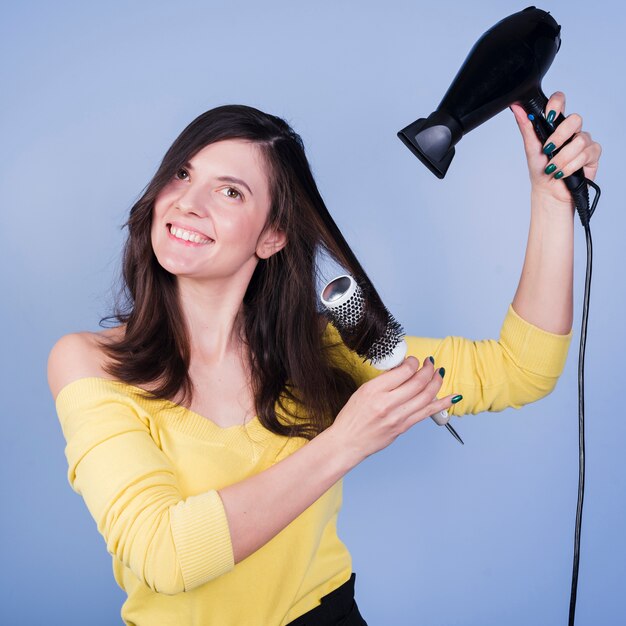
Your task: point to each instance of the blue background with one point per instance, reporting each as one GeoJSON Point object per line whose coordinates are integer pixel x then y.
{"type": "Point", "coordinates": [440, 534]}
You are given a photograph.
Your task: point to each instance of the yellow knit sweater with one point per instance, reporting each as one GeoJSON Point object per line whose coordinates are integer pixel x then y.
{"type": "Point", "coordinates": [149, 472]}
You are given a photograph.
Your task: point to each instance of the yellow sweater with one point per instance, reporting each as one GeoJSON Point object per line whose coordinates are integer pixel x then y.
{"type": "Point", "coordinates": [149, 472]}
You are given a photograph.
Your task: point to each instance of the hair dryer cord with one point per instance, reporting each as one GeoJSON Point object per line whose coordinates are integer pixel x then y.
{"type": "Point", "coordinates": [581, 392]}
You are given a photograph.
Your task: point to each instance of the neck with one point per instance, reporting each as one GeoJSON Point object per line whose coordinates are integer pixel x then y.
{"type": "Point", "coordinates": [212, 312]}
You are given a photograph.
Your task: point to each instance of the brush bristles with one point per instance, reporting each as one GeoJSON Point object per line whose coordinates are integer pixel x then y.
{"type": "Point", "coordinates": [366, 326]}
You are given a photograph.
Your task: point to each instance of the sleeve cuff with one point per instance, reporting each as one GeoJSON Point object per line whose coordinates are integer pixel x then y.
{"type": "Point", "coordinates": [202, 538]}
{"type": "Point", "coordinates": [533, 348]}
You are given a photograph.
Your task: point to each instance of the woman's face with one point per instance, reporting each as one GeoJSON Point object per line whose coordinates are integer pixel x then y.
{"type": "Point", "coordinates": [217, 223]}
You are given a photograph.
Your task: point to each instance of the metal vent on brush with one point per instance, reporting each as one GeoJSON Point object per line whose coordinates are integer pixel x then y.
{"type": "Point", "coordinates": [345, 306]}
{"type": "Point", "coordinates": [344, 302]}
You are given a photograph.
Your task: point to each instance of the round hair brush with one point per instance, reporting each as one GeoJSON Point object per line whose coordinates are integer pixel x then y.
{"type": "Point", "coordinates": [375, 336]}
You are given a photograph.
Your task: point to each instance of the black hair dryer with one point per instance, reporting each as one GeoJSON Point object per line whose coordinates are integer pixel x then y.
{"type": "Point", "coordinates": [505, 66]}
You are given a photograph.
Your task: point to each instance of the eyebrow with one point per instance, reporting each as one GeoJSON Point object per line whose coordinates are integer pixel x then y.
{"type": "Point", "coordinates": [227, 179]}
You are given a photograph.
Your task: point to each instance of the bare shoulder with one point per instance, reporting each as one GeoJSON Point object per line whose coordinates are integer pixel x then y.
{"type": "Point", "coordinates": [75, 356]}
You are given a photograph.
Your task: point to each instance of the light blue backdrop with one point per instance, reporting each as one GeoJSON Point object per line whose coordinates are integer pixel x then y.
{"type": "Point", "coordinates": [93, 94]}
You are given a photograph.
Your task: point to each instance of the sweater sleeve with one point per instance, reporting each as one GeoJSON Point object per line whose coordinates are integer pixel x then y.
{"type": "Point", "coordinates": [522, 366]}
{"type": "Point", "coordinates": [172, 544]}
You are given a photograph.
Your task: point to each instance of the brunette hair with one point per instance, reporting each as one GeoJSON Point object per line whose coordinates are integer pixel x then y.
{"type": "Point", "coordinates": [290, 360]}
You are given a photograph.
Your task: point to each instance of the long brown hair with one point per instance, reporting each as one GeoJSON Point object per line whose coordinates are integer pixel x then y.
{"type": "Point", "coordinates": [290, 361]}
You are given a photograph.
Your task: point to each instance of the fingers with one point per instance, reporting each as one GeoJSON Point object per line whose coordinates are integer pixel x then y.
{"type": "Point", "coordinates": [554, 107]}
{"type": "Point", "coordinates": [563, 134]}
{"type": "Point", "coordinates": [568, 148]}
{"type": "Point", "coordinates": [416, 383]}
{"type": "Point", "coordinates": [392, 390]}
{"type": "Point", "coordinates": [419, 406]}
{"type": "Point", "coordinates": [408, 394]}
{"type": "Point", "coordinates": [579, 152]}
{"type": "Point", "coordinates": [556, 103]}
{"type": "Point", "coordinates": [438, 404]}
{"type": "Point", "coordinates": [532, 145]}
{"type": "Point", "coordinates": [395, 377]}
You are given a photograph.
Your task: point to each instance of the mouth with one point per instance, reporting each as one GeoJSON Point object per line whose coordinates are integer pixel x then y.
{"type": "Point", "coordinates": [188, 237]}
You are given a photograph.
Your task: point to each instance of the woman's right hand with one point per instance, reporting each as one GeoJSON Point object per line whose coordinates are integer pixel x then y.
{"type": "Point", "coordinates": [387, 406]}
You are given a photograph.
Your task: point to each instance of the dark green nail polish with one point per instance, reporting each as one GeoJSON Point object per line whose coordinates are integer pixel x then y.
{"type": "Point", "coordinates": [432, 360]}
{"type": "Point", "coordinates": [549, 148]}
{"type": "Point", "coordinates": [457, 399]}
{"type": "Point", "coordinates": [559, 174]}
{"type": "Point", "coordinates": [442, 372]}
{"type": "Point", "coordinates": [550, 168]}
{"type": "Point", "coordinates": [551, 116]}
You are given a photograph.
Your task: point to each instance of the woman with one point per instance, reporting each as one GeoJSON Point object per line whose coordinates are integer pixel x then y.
{"type": "Point", "coordinates": [209, 431]}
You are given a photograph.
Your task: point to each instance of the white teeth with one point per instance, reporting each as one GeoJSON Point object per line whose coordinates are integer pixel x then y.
{"type": "Point", "coordinates": [187, 235]}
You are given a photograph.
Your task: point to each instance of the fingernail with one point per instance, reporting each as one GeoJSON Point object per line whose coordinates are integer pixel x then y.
{"type": "Point", "coordinates": [457, 399]}
{"type": "Point", "coordinates": [559, 174]}
{"type": "Point", "coordinates": [550, 168]}
{"type": "Point", "coordinates": [551, 116]}
{"type": "Point", "coordinates": [432, 360]}
{"type": "Point", "coordinates": [442, 372]}
{"type": "Point", "coordinates": [549, 148]}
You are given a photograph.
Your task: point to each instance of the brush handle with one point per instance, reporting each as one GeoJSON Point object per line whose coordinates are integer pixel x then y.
{"type": "Point", "coordinates": [441, 418]}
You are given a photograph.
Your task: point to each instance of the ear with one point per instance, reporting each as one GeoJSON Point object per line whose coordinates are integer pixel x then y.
{"type": "Point", "coordinates": [271, 242]}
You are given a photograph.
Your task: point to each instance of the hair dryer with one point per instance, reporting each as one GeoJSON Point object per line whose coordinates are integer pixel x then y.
{"type": "Point", "coordinates": [505, 66]}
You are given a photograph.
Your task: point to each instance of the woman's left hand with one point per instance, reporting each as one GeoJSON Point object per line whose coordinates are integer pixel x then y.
{"type": "Point", "coordinates": [581, 151]}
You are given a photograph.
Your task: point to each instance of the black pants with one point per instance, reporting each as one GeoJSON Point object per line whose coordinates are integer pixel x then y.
{"type": "Point", "coordinates": [337, 608]}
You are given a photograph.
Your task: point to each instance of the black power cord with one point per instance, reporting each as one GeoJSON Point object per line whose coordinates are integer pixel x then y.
{"type": "Point", "coordinates": [584, 217]}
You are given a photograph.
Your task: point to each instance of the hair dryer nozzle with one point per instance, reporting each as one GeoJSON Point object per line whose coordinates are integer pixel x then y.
{"type": "Point", "coordinates": [432, 140]}
{"type": "Point", "coordinates": [504, 66]}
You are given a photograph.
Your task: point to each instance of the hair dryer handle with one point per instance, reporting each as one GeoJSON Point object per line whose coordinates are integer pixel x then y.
{"type": "Point", "coordinates": [575, 182]}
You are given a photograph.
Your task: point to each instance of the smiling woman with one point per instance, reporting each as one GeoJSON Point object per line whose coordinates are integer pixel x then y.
{"type": "Point", "coordinates": [209, 431]}
{"type": "Point", "coordinates": [263, 237]}
{"type": "Point", "coordinates": [219, 335]}
{"type": "Point", "coordinates": [197, 201]}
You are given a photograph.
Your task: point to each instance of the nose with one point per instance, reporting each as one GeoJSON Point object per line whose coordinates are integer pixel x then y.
{"type": "Point", "coordinates": [194, 199]}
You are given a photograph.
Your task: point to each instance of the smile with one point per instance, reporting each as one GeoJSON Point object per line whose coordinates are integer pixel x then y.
{"type": "Point", "coordinates": [187, 237]}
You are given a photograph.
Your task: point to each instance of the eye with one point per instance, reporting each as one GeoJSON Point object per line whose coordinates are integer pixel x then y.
{"type": "Point", "coordinates": [239, 194]}
{"type": "Point", "coordinates": [182, 174]}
